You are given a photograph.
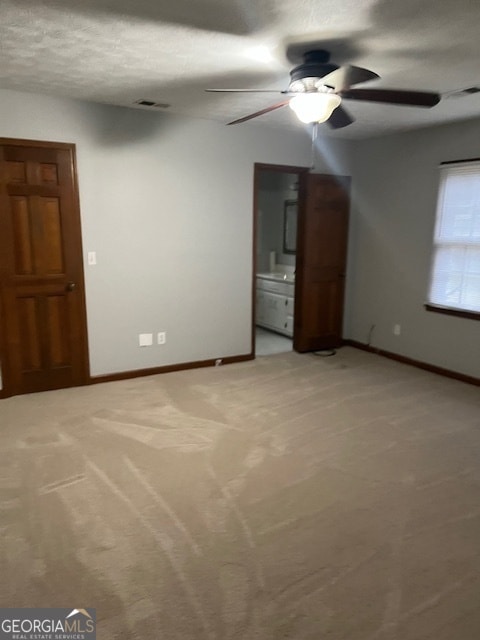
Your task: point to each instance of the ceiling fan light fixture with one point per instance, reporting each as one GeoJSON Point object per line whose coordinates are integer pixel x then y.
{"type": "Point", "coordinates": [304, 85]}
{"type": "Point", "coordinates": [314, 107]}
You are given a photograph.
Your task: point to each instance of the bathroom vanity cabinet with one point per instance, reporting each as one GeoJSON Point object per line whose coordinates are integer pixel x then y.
{"type": "Point", "coordinates": [275, 303]}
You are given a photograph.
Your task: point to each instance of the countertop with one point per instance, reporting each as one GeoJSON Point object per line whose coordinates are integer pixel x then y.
{"type": "Point", "coordinates": [277, 276]}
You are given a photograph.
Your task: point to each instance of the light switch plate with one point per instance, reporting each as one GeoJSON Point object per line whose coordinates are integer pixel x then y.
{"type": "Point", "coordinates": [145, 339]}
{"type": "Point", "coordinates": [92, 258]}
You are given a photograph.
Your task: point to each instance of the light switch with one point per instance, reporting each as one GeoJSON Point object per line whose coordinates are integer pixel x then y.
{"type": "Point", "coordinates": [92, 258]}
{"type": "Point", "coordinates": [145, 339]}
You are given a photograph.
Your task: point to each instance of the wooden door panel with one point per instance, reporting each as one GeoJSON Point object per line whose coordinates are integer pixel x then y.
{"type": "Point", "coordinates": [17, 171]}
{"type": "Point", "coordinates": [38, 241]}
{"type": "Point", "coordinates": [29, 329]}
{"type": "Point", "coordinates": [322, 317]}
{"type": "Point", "coordinates": [48, 173]}
{"type": "Point", "coordinates": [51, 229]}
{"type": "Point", "coordinates": [321, 262]}
{"type": "Point", "coordinates": [43, 323]}
{"type": "Point", "coordinates": [57, 324]}
{"type": "Point", "coordinates": [326, 243]}
{"type": "Point", "coordinates": [22, 235]}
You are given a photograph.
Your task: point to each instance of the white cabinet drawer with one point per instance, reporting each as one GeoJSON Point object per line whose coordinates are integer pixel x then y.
{"type": "Point", "coordinates": [284, 288]}
{"type": "Point", "coordinates": [289, 327]}
{"type": "Point", "coordinates": [260, 307]}
{"type": "Point", "coordinates": [290, 304]}
{"type": "Point", "coordinates": [274, 311]}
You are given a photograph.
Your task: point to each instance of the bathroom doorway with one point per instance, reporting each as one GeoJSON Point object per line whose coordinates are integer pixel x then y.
{"type": "Point", "coordinates": [299, 258]}
{"type": "Point", "coordinates": [277, 194]}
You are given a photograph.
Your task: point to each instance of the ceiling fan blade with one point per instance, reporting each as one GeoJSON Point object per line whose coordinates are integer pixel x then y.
{"type": "Point", "coordinates": [393, 96]}
{"type": "Point", "coordinates": [344, 77]}
{"type": "Point", "coordinates": [244, 91]}
{"type": "Point", "coordinates": [262, 112]}
{"type": "Point", "coordinates": [340, 118]}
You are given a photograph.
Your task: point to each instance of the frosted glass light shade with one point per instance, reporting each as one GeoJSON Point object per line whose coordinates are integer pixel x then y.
{"type": "Point", "coordinates": [314, 107]}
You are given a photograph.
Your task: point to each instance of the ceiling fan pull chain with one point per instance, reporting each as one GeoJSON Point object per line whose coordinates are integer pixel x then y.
{"type": "Point", "coordinates": [314, 137]}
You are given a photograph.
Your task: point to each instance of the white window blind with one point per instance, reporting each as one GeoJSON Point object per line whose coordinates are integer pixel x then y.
{"type": "Point", "coordinates": [455, 274]}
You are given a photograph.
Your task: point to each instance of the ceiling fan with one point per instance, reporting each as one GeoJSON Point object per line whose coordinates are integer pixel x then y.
{"type": "Point", "coordinates": [318, 87]}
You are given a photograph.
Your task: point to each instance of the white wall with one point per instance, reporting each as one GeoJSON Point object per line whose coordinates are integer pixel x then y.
{"type": "Point", "coordinates": [395, 182]}
{"type": "Point", "coordinates": [166, 202]}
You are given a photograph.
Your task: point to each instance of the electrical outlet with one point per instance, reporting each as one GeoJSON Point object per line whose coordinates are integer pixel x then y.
{"type": "Point", "coordinates": [145, 339]}
{"type": "Point", "coordinates": [161, 337]}
{"type": "Point", "coordinates": [397, 329]}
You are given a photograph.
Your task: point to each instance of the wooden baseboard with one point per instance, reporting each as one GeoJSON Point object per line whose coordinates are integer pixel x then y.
{"type": "Point", "coordinates": [139, 373]}
{"type": "Point", "coordinates": [414, 363]}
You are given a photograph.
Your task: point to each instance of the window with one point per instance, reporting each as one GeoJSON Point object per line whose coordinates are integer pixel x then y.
{"type": "Point", "coordinates": [455, 275]}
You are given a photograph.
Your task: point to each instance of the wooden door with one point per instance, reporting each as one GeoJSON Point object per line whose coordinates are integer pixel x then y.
{"type": "Point", "coordinates": [321, 262]}
{"type": "Point", "coordinates": [43, 324]}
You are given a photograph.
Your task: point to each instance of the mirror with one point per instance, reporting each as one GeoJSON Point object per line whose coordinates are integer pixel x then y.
{"type": "Point", "coordinates": [290, 226]}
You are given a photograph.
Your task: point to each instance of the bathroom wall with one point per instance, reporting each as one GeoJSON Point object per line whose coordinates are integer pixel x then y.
{"type": "Point", "coordinates": [274, 189]}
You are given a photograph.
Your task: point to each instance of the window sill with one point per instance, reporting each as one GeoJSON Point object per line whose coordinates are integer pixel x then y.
{"type": "Point", "coordinates": [460, 313]}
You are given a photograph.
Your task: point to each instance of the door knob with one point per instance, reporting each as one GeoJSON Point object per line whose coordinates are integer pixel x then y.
{"type": "Point", "coordinates": [71, 286]}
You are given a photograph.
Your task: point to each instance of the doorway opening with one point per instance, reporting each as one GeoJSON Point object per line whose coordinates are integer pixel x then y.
{"type": "Point", "coordinates": [299, 268]}
{"type": "Point", "coordinates": [277, 199]}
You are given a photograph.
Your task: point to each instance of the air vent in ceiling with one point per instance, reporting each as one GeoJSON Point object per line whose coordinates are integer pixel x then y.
{"type": "Point", "coordinates": [151, 103]}
{"type": "Point", "coordinates": [462, 93]}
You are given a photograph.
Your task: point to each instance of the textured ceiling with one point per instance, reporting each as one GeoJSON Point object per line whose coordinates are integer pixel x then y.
{"type": "Point", "coordinates": [119, 51]}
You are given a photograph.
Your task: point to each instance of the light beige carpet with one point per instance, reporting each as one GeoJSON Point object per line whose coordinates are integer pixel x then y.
{"type": "Point", "coordinates": [291, 497]}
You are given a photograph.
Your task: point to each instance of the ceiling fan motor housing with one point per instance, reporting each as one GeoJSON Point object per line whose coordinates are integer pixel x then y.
{"type": "Point", "coordinates": [315, 66]}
